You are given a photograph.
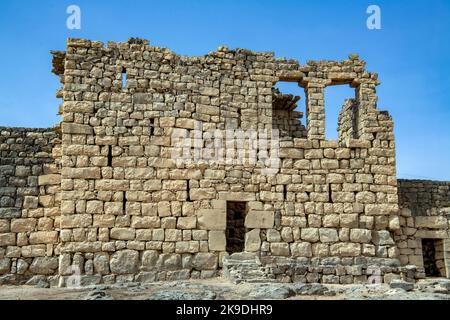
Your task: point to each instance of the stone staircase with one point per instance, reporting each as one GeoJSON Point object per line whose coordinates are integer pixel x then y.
{"type": "Point", "coordinates": [245, 267]}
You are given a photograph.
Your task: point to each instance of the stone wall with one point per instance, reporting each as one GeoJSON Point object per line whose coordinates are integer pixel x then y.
{"type": "Point", "coordinates": [130, 211]}
{"type": "Point", "coordinates": [425, 214]}
{"type": "Point", "coordinates": [111, 200]}
{"type": "Point", "coordinates": [29, 205]}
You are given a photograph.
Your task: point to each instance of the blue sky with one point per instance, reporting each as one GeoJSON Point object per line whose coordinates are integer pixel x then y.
{"type": "Point", "coordinates": [411, 53]}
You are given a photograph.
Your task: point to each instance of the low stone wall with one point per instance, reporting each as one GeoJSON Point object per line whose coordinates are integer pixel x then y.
{"type": "Point", "coordinates": [29, 207]}
{"type": "Point", "coordinates": [424, 214]}
{"type": "Point", "coordinates": [421, 196]}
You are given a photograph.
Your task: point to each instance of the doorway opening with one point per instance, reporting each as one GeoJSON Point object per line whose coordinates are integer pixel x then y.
{"type": "Point", "coordinates": [433, 257]}
{"type": "Point", "coordinates": [235, 231]}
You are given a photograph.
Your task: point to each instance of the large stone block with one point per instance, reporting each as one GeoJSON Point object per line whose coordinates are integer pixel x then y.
{"type": "Point", "coordinates": [23, 225]}
{"type": "Point", "coordinates": [123, 233]}
{"type": "Point", "coordinates": [217, 241]}
{"type": "Point", "coordinates": [431, 222]}
{"type": "Point", "coordinates": [5, 265]}
{"type": "Point", "coordinates": [78, 106]}
{"type": "Point", "coordinates": [75, 128]}
{"type": "Point", "coordinates": [81, 173]}
{"type": "Point", "coordinates": [202, 194]}
{"type": "Point", "coordinates": [205, 261]}
{"type": "Point", "coordinates": [44, 237]}
{"type": "Point", "coordinates": [237, 196]}
{"type": "Point", "coordinates": [301, 249]}
{"type": "Point", "coordinates": [328, 235]}
{"type": "Point", "coordinates": [124, 262]}
{"type": "Point", "coordinates": [49, 179]}
{"type": "Point", "coordinates": [44, 265]}
{"type": "Point", "coordinates": [253, 240]}
{"type": "Point", "coordinates": [186, 222]}
{"type": "Point", "coordinates": [259, 219]}
{"type": "Point", "coordinates": [360, 235]}
{"type": "Point", "coordinates": [212, 219]}
{"type": "Point", "coordinates": [10, 213]}
{"type": "Point", "coordinates": [7, 239]}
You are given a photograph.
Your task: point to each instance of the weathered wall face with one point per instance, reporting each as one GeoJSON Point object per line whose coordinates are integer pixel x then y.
{"type": "Point", "coordinates": [425, 214]}
{"type": "Point", "coordinates": [130, 210]}
{"type": "Point", "coordinates": [29, 205]}
{"type": "Point", "coordinates": [112, 200]}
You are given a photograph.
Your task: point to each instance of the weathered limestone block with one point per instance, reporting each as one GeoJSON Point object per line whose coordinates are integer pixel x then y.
{"type": "Point", "coordinates": [146, 222]}
{"type": "Point", "coordinates": [44, 265]}
{"type": "Point", "coordinates": [205, 261]}
{"type": "Point", "coordinates": [209, 91]}
{"type": "Point", "coordinates": [124, 262]}
{"type": "Point", "coordinates": [217, 240]}
{"type": "Point", "coordinates": [273, 235]}
{"type": "Point", "coordinates": [237, 196]}
{"type": "Point", "coordinates": [259, 219]}
{"type": "Point", "coordinates": [432, 234]}
{"type": "Point", "coordinates": [328, 235]}
{"type": "Point", "coordinates": [78, 106]}
{"type": "Point", "coordinates": [187, 222]}
{"type": "Point", "coordinates": [10, 213]}
{"type": "Point", "coordinates": [38, 250]}
{"type": "Point", "coordinates": [149, 260]}
{"type": "Point", "coordinates": [113, 208]}
{"type": "Point", "coordinates": [75, 128]}
{"type": "Point", "coordinates": [202, 194]}
{"type": "Point", "coordinates": [75, 221]}
{"type": "Point", "coordinates": [271, 196]}
{"type": "Point", "coordinates": [382, 237]}
{"type": "Point", "coordinates": [173, 235]}
{"type": "Point", "coordinates": [381, 209]}
{"type": "Point", "coordinates": [5, 265]}
{"type": "Point", "coordinates": [280, 249]}
{"type": "Point", "coordinates": [394, 223]}
{"type": "Point", "coordinates": [123, 233]}
{"type": "Point", "coordinates": [349, 249]}
{"type": "Point", "coordinates": [49, 179]}
{"type": "Point", "coordinates": [7, 239]}
{"type": "Point", "coordinates": [139, 173]}
{"type": "Point", "coordinates": [212, 219]}
{"type": "Point", "coordinates": [81, 173]}
{"type": "Point", "coordinates": [301, 249]}
{"type": "Point", "coordinates": [365, 197]}
{"type": "Point", "coordinates": [94, 206]}
{"type": "Point", "coordinates": [23, 225]}
{"type": "Point", "coordinates": [101, 263]}
{"type": "Point", "coordinates": [431, 222]}
{"type": "Point", "coordinates": [253, 240]}
{"type": "Point", "coordinates": [43, 237]}
{"type": "Point", "coordinates": [360, 235]}
{"type": "Point", "coordinates": [310, 234]}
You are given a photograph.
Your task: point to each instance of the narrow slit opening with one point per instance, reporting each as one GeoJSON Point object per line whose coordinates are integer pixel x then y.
{"type": "Point", "coordinates": [109, 156]}
{"type": "Point", "coordinates": [124, 78]}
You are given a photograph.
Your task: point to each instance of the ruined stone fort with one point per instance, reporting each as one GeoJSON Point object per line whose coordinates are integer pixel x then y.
{"type": "Point", "coordinates": [143, 181]}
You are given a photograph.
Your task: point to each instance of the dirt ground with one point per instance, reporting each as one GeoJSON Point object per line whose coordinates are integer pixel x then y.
{"type": "Point", "coordinates": [220, 289]}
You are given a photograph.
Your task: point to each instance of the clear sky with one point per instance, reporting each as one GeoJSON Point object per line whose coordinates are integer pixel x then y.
{"type": "Point", "coordinates": [411, 53]}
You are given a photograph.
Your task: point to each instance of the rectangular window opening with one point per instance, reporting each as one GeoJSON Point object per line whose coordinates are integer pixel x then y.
{"type": "Point", "coordinates": [289, 109]}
